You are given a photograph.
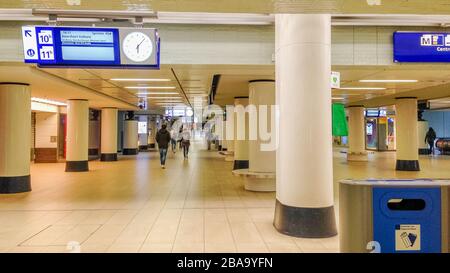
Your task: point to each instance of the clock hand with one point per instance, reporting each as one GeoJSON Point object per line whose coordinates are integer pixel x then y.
{"type": "Point", "coordinates": [137, 47]}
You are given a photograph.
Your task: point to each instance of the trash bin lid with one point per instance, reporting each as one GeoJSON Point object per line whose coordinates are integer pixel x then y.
{"type": "Point", "coordinates": [399, 182]}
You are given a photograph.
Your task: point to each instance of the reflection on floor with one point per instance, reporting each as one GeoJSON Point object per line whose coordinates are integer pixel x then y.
{"type": "Point", "coordinates": [134, 206]}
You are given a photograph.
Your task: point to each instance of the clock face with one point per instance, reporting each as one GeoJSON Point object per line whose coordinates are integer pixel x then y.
{"type": "Point", "coordinates": [137, 46]}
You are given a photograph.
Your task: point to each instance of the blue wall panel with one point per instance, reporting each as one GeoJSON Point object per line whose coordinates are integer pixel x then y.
{"type": "Point", "coordinates": [438, 120]}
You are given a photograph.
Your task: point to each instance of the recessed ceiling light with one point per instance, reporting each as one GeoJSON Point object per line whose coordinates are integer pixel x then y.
{"type": "Point", "coordinates": [388, 81]}
{"type": "Point", "coordinates": [150, 87]}
{"type": "Point", "coordinates": [338, 98]}
{"type": "Point", "coordinates": [140, 80]}
{"type": "Point", "coordinates": [156, 98]}
{"type": "Point", "coordinates": [52, 102]}
{"type": "Point", "coordinates": [157, 93]}
{"type": "Point", "coordinates": [362, 88]}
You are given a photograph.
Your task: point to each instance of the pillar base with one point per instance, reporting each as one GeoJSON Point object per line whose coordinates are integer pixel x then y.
{"type": "Point", "coordinates": [424, 151]}
{"type": "Point", "coordinates": [240, 164]}
{"type": "Point", "coordinates": [305, 222]}
{"type": "Point", "coordinates": [16, 184]}
{"type": "Point", "coordinates": [359, 157]}
{"type": "Point", "coordinates": [93, 152]}
{"type": "Point", "coordinates": [130, 151]}
{"type": "Point", "coordinates": [108, 157]}
{"type": "Point", "coordinates": [257, 182]}
{"type": "Point", "coordinates": [408, 165]}
{"type": "Point", "coordinates": [77, 166]}
{"type": "Point", "coordinates": [143, 148]}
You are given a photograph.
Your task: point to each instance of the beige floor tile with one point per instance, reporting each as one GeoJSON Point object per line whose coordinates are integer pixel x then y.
{"type": "Point", "coordinates": [283, 248]}
{"type": "Point", "coordinates": [124, 248]}
{"type": "Point", "coordinates": [165, 228]}
{"type": "Point", "coordinates": [252, 248]}
{"type": "Point", "coordinates": [220, 248]}
{"type": "Point", "coordinates": [218, 232]}
{"type": "Point", "coordinates": [105, 235]}
{"type": "Point", "coordinates": [246, 233]}
{"type": "Point", "coordinates": [79, 233]}
{"type": "Point", "coordinates": [188, 248]}
{"type": "Point", "coordinates": [156, 248]}
{"type": "Point", "coordinates": [48, 236]}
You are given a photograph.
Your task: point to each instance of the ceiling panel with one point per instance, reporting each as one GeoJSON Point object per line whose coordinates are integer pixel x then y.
{"type": "Point", "coordinates": [247, 6]}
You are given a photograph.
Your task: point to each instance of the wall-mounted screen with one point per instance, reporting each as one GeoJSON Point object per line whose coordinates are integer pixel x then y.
{"type": "Point", "coordinates": [142, 127]}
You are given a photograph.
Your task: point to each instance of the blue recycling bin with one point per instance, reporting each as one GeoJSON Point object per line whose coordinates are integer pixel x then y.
{"type": "Point", "coordinates": [407, 219]}
{"type": "Point", "coordinates": [394, 216]}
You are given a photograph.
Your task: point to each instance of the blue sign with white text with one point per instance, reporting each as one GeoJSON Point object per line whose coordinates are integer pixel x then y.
{"type": "Point", "coordinates": [421, 47]}
{"type": "Point", "coordinates": [91, 47]}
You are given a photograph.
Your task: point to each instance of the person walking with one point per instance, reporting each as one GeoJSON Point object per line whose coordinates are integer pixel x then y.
{"type": "Point", "coordinates": [163, 139]}
{"type": "Point", "coordinates": [186, 142]}
{"type": "Point", "coordinates": [430, 137]}
{"type": "Point", "coordinates": [173, 140]}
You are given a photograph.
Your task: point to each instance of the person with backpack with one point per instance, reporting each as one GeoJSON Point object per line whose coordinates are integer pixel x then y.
{"type": "Point", "coordinates": [186, 142]}
{"type": "Point", "coordinates": [163, 139]}
{"type": "Point", "coordinates": [430, 138]}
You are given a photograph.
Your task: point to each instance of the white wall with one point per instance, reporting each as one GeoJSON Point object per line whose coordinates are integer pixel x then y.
{"type": "Point", "coordinates": [46, 126]}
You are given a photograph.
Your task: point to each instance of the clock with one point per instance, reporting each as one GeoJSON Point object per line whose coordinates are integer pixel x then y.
{"type": "Point", "coordinates": [137, 46]}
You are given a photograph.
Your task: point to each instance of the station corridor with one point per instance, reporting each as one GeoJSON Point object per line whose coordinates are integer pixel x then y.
{"type": "Point", "coordinates": [194, 205]}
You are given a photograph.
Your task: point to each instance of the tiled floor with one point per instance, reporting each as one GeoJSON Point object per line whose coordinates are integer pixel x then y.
{"type": "Point", "coordinates": [134, 206]}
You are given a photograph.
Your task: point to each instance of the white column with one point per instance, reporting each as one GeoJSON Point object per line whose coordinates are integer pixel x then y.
{"type": "Point", "coordinates": [77, 136]}
{"type": "Point", "coordinates": [15, 137]}
{"type": "Point", "coordinates": [229, 138]}
{"type": "Point", "coordinates": [407, 134]}
{"type": "Point", "coordinates": [241, 155]}
{"type": "Point", "coordinates": [130, 143]}
{"type": "Point", "coordinates": [94, 133]}
{"type": "Point", "coordinates": [109, 134]}
{"type": "Point", "coordinates": [262, 92]}
{"type": "Point", "coordinates": [356, 134]}
{"type": "Point", "coordinates": [305, 205]}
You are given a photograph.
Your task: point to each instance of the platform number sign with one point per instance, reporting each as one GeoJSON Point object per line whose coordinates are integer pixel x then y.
{"type": "Point", "coordinates": [47, 53]}
{"type": "Point", "coordinates": [38, 44]}
{"type": "Point", "coordinates": [93, 47]}
{"type": "Point", "coordinates": [30, 49]}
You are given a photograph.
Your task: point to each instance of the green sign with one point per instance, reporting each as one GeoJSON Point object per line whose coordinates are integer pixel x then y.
{"type": "Point", "coordinates": [340, 127]}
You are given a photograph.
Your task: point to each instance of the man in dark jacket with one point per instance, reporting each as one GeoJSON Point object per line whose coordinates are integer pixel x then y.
{"type": "Point", "coordinates": [163, 139]}
{"type": "Point", "coordinates": [430, 138]}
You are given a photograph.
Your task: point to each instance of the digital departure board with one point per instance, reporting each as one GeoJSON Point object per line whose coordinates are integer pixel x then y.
{"type": "Point", "coordinates": [91, 47]}
{"type": "Point", "coordinates": [427, 47]}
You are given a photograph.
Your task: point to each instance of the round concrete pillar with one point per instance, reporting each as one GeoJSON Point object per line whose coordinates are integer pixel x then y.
{"type": "Point", "coordinates": [241, 134]}
{"type": "Point", "coordinates": [15, 137]}
{"type": "Point", "coordinates": [130, 145]}
{"type": "Point", "coordinates": [305, 204]}
{"type": "Point", "coordinates": [109, 134]}
{"type": "Point", "coordinates": [77, 136]}
{"type": "Point", "coordinates": [356, 134]}
{"type": "Point", "coordinates": [407, 134]}
{"type": "Point", "coordinates": [262, 93]}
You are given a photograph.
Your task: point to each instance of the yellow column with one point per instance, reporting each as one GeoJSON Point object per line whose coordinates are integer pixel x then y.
{"type": "Point", "coordinates": [407, 134]}
{"type": "Point", "coordinates": [15, 137]}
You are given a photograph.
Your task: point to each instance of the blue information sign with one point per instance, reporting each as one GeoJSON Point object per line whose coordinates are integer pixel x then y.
{"type": "Point", "coordinates": [91, 47]}
{"type": "Point", "coordinates": [421, 47]}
